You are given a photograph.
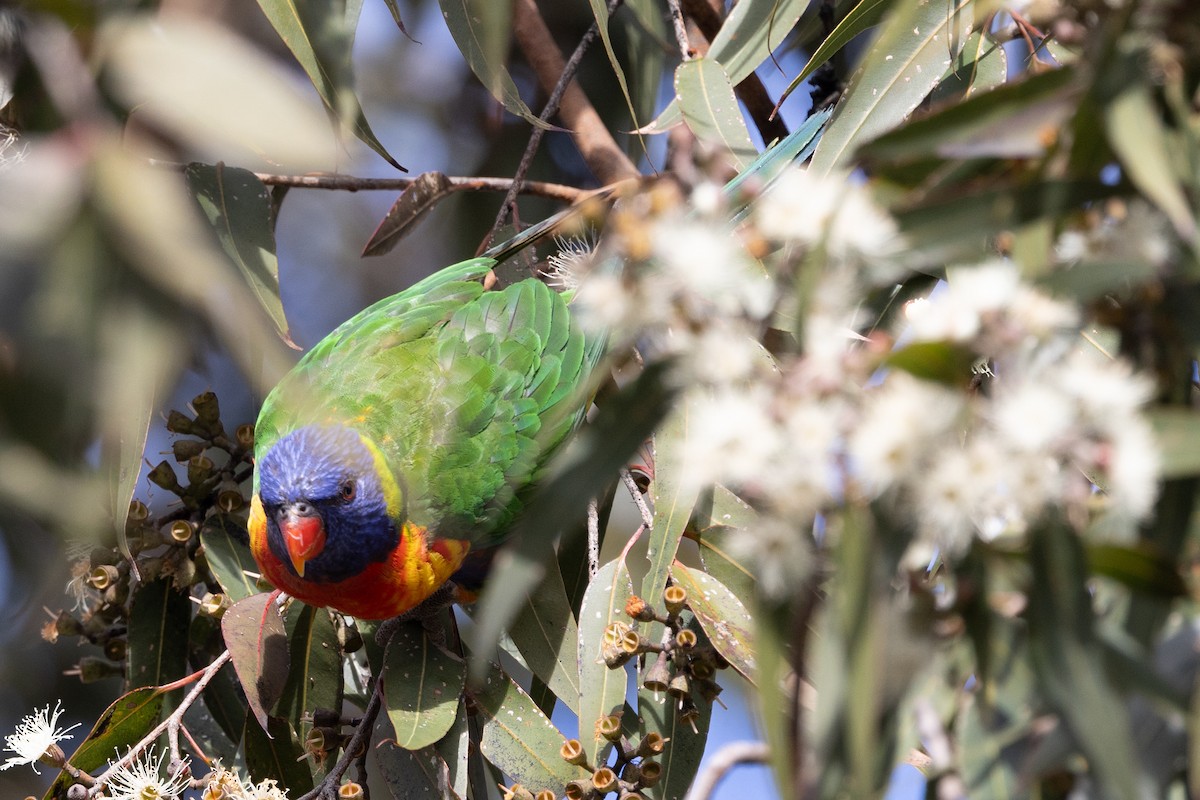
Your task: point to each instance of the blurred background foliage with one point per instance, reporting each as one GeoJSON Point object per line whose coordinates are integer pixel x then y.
{"type": "Point", "coordinates": [1064, 136]}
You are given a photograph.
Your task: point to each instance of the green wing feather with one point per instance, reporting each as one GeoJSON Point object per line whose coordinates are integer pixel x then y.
{"type": "Point", "coordinates": [466, 392]}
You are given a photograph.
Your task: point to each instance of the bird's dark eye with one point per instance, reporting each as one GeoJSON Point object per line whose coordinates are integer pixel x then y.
{"type": "Point", "coordinates": [347, 491]}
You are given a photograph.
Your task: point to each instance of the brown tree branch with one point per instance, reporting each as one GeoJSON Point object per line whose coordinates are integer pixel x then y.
{"type": "Point", "coordinates": [751, 90]}
{"type": "Point", "coordinates": [599, 150]}
{"type": "Point", "coordinates": [726, 759]}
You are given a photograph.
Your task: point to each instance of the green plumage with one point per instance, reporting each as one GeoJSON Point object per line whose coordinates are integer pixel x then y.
{"type": "Point", "coordinates": [464, 391]}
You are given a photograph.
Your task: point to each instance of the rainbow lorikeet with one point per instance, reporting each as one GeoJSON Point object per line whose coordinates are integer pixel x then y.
{"type": "Point", "coordinates": [409, 437]}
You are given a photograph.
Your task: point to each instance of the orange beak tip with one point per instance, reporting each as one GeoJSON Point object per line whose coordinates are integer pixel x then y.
{"type": "Point", "coordinates": [305, 538]}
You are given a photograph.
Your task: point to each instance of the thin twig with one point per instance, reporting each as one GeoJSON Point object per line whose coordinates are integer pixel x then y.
{"type": "Point", "coordinates": [638, 500]}
{"type": "Point", "coordinates": [171, 723]}
{"type": "Point", "coordinates": [353, 183]}
{"type": "Point", "coordinates": [726, 759]}
{"type": "Point", "coordinates": [508, 206]}
{"type": "Point", "coordinates": [593, 531]}
{"type": "Point", "coordinates": [595, 142]}
{"type": "Point", "coordinates": [681, 38]}
{"type": "Point", "coordinates": [351, 752]}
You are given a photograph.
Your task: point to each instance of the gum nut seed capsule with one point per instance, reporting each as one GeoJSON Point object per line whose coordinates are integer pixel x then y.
{"type": "Point", "coordinates": [679, 686]}
{"type": "Point", "coordinates": [350, 791]}
{"type": "Point", "coordinates": [516, 792]}
{"type": "Point", "coordinates": [230, 501]}
{"type": "Point", "coordinates": [638, 609]}
{"type": "Point", "coordinates": [350, 639]}
{"type": "Point", "coordinates": [102, 577]}
{"type": "Point", "coordinates": [245, 435]}
{"type": "Point", "coordinates": [326, 718]}
{"type": "Point", "coordinates": [702, 669]}
{"type": "Point", "coordinates": [659, 675]}
{"type": "Point", "coordinates": [686, 639]}
{"type": "Point", "coordinates": [208, 409]}
{"type": "Point", "coordinates": [199, 469]}
{"type": "Point", "coordinates": [138, 512]}
{"type": "Point", "coordinates": [163, 476]}
{"type": "Point", "coordinates": [577, 790]}
{"type": "Point", "coordinates": [545, 794]}
{"type": "Point", "coordinates": [651, 745]}
{"type": "Point", "coordinates": [214, 605]}
{"type": "Point", "coordinates": [709, 690]}
{"type": "Point", "coordinates": [631, 773]}
{"type": "Point", "coordinates": [627, 795]}
{"type": "Point", "coordinates": [614, 632]}
{"type": "Point", "coordinates": [572, 752]}
{"type": "Point", "coordinates": [178, 422]}
{"type": "Point", "coordinates": [651, 773]}
{"type": "Point", "coordinates": [604, 779]}
{"type": "Point", "coordinates": [610, 727]}
{"type": "Point", "coordinates": [631, 643]}
{"type": "Point", "coordinates": [115, 649]}
{"type": "Point", "coordinates": [181, 531]}
{"type": "Point", "coordinates": [184, 449]}
{"type": "Point", "coordinates": [674, 597]}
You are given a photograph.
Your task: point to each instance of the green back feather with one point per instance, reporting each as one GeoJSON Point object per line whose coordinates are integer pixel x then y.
{"type": "Point", "coordinates": [466, 392]}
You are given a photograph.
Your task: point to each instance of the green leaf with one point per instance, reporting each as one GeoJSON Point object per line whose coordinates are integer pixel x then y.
{"type": "Point", "coordinates": [753, 29]}
{"type": "Point", "coordinates": [239, 208]}
{"type": "Point", "coordinates": [943, 362]}
{"type": "Point", "coordinates": [517, 736]}
{"type": "Point", "coordinates": [414, 774]}
{"type": "Point", "coordinates": [722, 616]}
{"type": "Point", "coordinates": [600, 12]}
{"type": "Point", "coordinates": [456, 748]}
{"type": "Point", "coordinates": [1011, 121]}
{"type": "Point", "coordinates": [798, 146]}
{"type": "Point", "coordinates": [911, 53]}
{"type": "Point", "coordinates": [1066, 660]}
{"type": "Point", "coordinates": [314, 678]}
{"type": "Point", "coordinates": [680, 759]}
{"type": "Point", "coordinates": [223, 697]}
{"type": "Point", "coordinates": [422, 683]}
{"type": "Point", "coordinates": [481, 29]}
{"type": "Point", "coordinates": [603, 688]}
{"type": "Point", "coordinates": [426, 191]}
{"type": "Point", "coordinates": [142, 354]}
{"type": "Point", "coordinates": [320, 35]}
{"type": "Point", "coordinates": [275, 753]}
{"type": "Point", "coordinates": [646, 51]}
{"type": "Point", "coordinates": [254, 633]}
{"type": "Point", "coordinates": [1136, 133]}
{"type": "Point", "coordinates": [208, 88]}
{"type": "Point", "coordinates": [158, 618]}
{"type": "Point", "coordinates": [1138, 567]}
{"type": "Point", "coordinates": [721, 517]}
{"type": "Point", "coordinates": [865, 14]}
{"type": "Point", "coordinates": [710, 109]}
{"type": "Point", "coordinates": [980, 66]}
{"type": "Point", "coordinates": [674, 500]}
{"type": "Point", "coordinates": [228, 558]}
{"type": "Point", "coordinates": [122, 725]}
{"type": "Point", "coordinates": [547, 636]}
{"type": "Point", "coordinates": [1177, 433]}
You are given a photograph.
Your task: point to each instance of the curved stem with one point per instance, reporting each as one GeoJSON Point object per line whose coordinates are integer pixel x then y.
{"type": "Point", "coordinates": [726, 759]}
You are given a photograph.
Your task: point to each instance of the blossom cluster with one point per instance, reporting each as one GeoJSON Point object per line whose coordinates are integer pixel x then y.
{"type": "Point", "coordinates": [972, 409]}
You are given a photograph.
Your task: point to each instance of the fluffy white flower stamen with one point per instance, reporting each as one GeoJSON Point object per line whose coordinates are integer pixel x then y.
{"type": "Point", "coordinates": [140, 780]}
{"type": "Point", "coordinates": [36, 734]}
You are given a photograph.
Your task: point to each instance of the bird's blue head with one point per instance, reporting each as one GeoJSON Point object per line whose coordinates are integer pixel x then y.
{"type": "Point", "coordinates": [332, 504]}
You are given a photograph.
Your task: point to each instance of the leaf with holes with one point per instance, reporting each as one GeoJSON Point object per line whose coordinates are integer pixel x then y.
{"type": "Point", "coordinates": [722, 616]}
{"type": "Point", "coordinates": [546, 635]}
{"type": "Point", "coordinates": [422, 683]}
{"type": "Point", "coordinates": [426, 191]}
{"type": "Point", "coordinates": [315, 671]}
{"type": "Point", "coordinates": [711, 110]}
{"type": "Point", "coordinates": [254, 633]}
{"type": "Point", "coordinates": [518, 738]}
{"type": "Point", "coordinates": [603, 689]}
{"type": "Point", "coordinates": [912, 52]}
{"type": "Point", "coordinates": [122, 725]}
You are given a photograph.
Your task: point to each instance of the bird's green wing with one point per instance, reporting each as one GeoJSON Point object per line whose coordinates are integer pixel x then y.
{"type": "Point", "coordinates": [466, 392]}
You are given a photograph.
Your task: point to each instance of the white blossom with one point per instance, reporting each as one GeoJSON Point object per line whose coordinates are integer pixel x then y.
{"type": "Point", "coordinates": [1133, 466]}
{"type": "Point", "coordinates": [1032, 415]}
{"type": "Point", "coordinates": [730, 436]}
{"type": "Point", "coordinates": [34, 735]}
{"type": "Point", "coordinates": [140, 780]}
{"type": "Point", "coordinates": [902, 421]}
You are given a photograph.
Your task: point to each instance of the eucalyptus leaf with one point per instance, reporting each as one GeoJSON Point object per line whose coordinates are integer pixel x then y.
{"type": "Point", "coordinates": [257, 642]}
{"type": "Point", "coordinates": [602, 689]}
{"type": "Point", "coordinates": [422, 683]}
{"type": "Point", "coordinates": [711, 110]}
{"type": "Point", "coordinates": [547, 636]}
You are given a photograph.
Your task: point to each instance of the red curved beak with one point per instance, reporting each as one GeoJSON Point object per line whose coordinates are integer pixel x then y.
{"type": "Point", "coordinates": [303, 533]}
